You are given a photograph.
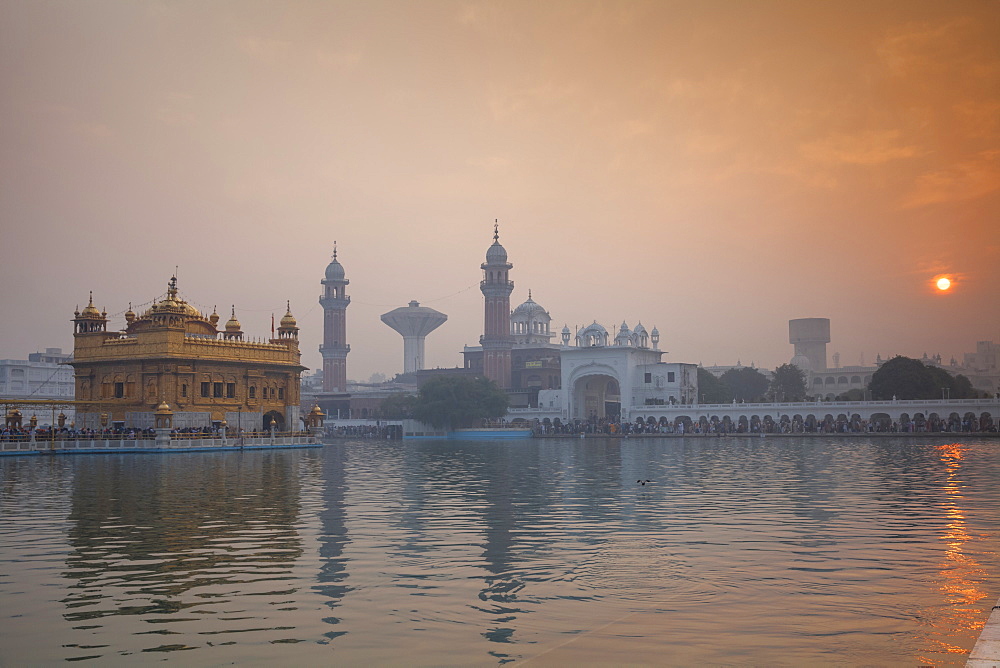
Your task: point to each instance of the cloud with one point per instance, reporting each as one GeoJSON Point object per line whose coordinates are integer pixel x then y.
{"type": "Point", "coordinates": [873, 147]}
{"type": "Point", "coordinates": [963, 181]}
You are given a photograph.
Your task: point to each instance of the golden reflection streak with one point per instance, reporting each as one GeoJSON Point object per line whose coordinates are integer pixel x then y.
{"type": "Point", "coordinates": [961, 574]}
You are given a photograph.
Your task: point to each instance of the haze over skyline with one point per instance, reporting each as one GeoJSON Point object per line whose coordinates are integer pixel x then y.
{"type": "Point", "coordinates": [713, 169]}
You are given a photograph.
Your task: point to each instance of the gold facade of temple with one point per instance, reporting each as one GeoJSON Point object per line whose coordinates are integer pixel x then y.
{"type": "Point", "coordinates": [172, 353]}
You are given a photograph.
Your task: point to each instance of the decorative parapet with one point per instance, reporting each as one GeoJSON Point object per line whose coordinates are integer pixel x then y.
{"type": "Point", "coordinates": [192, 346]}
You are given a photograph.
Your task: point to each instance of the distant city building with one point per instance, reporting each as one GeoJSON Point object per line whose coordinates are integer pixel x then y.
{"type": "Point", "coordinates": [172, 353]}
{"type": "Point", "coordinates": [718, 369]}
{"type": "Point", "coordinates": [810, 336]}
{"type": "Point", "coordinates": [985, 360]}
{"type": "Point", "coordinates": [41, 376]}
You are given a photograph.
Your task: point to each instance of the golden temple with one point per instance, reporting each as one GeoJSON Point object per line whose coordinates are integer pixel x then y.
{"type": "Point", "coordinates": [173, 353]}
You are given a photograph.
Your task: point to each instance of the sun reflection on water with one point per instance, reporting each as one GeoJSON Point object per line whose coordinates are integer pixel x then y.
{"type": "Point", "coordinates": [961, 575]}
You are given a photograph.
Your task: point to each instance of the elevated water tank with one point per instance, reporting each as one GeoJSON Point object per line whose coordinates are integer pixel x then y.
{"type": "Point", "coordinates": [414, 322]}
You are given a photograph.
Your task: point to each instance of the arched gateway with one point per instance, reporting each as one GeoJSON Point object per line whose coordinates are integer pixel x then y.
{"type": "Point", "coordinates": [596, 395]}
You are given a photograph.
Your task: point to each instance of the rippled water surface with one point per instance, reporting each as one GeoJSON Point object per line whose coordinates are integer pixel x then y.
{"type": "Point", "coordinates": [740, 552]}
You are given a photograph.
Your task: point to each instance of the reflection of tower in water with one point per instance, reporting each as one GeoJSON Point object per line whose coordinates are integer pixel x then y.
{"type": "Point", "coordinates": [333, 535]}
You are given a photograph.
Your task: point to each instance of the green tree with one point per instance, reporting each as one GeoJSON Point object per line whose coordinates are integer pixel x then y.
{"type": "Point", "coordinates": [788, 383]}
{"type": "Point", "coordinates": [745, 383]}
{"type": "Point", "coordinates": [459, 401]}
{"type": "Point", "coordinates": [397, 406]}
{"type": "Point", "coordinates": [852, 395]}
{"type": "Point", "coordinates": [711, 389]}
{"type": "Point", "coordinates": [907, 378]}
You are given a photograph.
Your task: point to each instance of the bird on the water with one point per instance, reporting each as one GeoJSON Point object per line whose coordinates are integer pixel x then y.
{"type": "Point", "coordinates": [643, 482]}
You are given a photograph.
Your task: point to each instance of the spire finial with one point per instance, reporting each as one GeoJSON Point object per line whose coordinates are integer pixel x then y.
{"type": "Point", "coordinates": [91, 297]}
{"type": "Point", "coordinates": [496, 229]}
{"type": "Point", "coordinates": [529, 294]}
{"type": "Point", "coordinates": [234, 310]}
{"type": "Point", "coordinates": [334, 250]}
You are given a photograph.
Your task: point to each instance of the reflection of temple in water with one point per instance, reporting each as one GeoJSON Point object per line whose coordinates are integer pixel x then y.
{"type": "Point", "coordinates": [177, 532]}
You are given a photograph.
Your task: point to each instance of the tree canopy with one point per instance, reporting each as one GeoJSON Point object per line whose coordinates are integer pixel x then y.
{"type": "Point", "coordinates": [397, 406]}
{"type": "Point", "coordinates": [907, 378]}
{"type": "Point", "coordinates": [459, 401]}
{"type": "Point", "coordinates": [788, 383]}
{"type": "Point", "coordinates": [745, 383]}
{"type": "Point", "coordinates": [712, 389]}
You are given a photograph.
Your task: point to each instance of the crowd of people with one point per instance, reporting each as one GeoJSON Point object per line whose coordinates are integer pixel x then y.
{"type": "Point", "coordinates": [853, 425]}
{"type": "Point", "coordinates": [376, 431]}
{"type": "Point", "coordinates": [46, 433]}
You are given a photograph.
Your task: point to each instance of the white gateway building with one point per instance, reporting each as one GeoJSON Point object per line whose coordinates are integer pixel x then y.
{"type": "Point", "coordinates": [614, 379]}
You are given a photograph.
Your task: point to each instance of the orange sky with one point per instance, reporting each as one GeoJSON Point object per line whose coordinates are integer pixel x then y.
{"type": "Point", "coordinates": [711, 168]}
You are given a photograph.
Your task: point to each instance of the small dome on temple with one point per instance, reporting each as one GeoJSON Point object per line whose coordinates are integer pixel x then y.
{"type": "Point", "coordinates": [288, 320]}
{"type": "Point", "coordinates": [233, 325]}
{"type": "Point", "coordinates": [90, 311]}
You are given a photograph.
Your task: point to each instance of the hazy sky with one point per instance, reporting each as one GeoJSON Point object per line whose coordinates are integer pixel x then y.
{"type": "Point", "coordinates": [710, 168]}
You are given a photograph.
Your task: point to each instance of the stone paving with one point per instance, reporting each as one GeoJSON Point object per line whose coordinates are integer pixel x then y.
{"type": "Point", "coordinates": [986, 653]}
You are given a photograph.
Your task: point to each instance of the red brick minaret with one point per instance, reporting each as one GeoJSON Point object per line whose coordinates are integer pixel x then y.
{"type": "Point", "coordinates": [334, 349]}
{"type": "Point", "coordinates": [496, 339]}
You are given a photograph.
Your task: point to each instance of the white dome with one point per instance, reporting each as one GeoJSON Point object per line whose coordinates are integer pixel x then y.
{"type": "Point", "coordinates": [530, 309]}
{"type": "Point", "coordinates": [593, 335]}
{"type": "Point", "coordinates": [802, 362]}
{"type": "Point", "coordinates": [335, 271]}
{"type": "Point", "coordinates": [496, 254]}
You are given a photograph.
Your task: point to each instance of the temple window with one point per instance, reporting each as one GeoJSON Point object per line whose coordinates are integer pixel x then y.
{"type": "Point", "coordinates": [281, 393]}
{"type": "Point", "coordinates": [253, 392]}
{"type": "Point", "coordinates": [217, 390]}
{"type": "Point", "coordinates": [206, 389]}
{"type": "Point", "coordinates": [184, 390]}
{"type": "Point", "coordinates": [230, 390]}
{"type": "Point", "coordinates": [119, 390]}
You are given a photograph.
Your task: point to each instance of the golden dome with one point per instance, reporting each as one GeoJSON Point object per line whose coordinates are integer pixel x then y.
{"type": "Point", "coordinates": [316, 410]}
{"type": "Point", "coordinates": [288, 320]}
{"type": "Point", "coordinates": [233, 325]}
{"type": "Point", "coordinates": [214, 318]}
{"type": "Point", "coordinates": [164, 407]}
{"type": "Point", "coordinates": [172, 303]}
{"type": "Point", "coordinates": [130, 314]}
{"type": "Point", "coordinates": [90, 311]}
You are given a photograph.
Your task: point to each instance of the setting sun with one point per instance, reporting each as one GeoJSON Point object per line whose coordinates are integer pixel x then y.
{"type": "Point", "coordinates": [943, 283]}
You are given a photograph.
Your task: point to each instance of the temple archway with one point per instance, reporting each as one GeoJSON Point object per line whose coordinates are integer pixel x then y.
{"type": "Point", "coordinates": [274, 419]}
{"type": "Point", "coordinates": [596, 396]}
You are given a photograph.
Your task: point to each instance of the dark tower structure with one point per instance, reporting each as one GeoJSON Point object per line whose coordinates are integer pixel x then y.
{"type": "Point", "coordinates": [334, 301]}
{"type": "Point", "coordinates": [496, 287]}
